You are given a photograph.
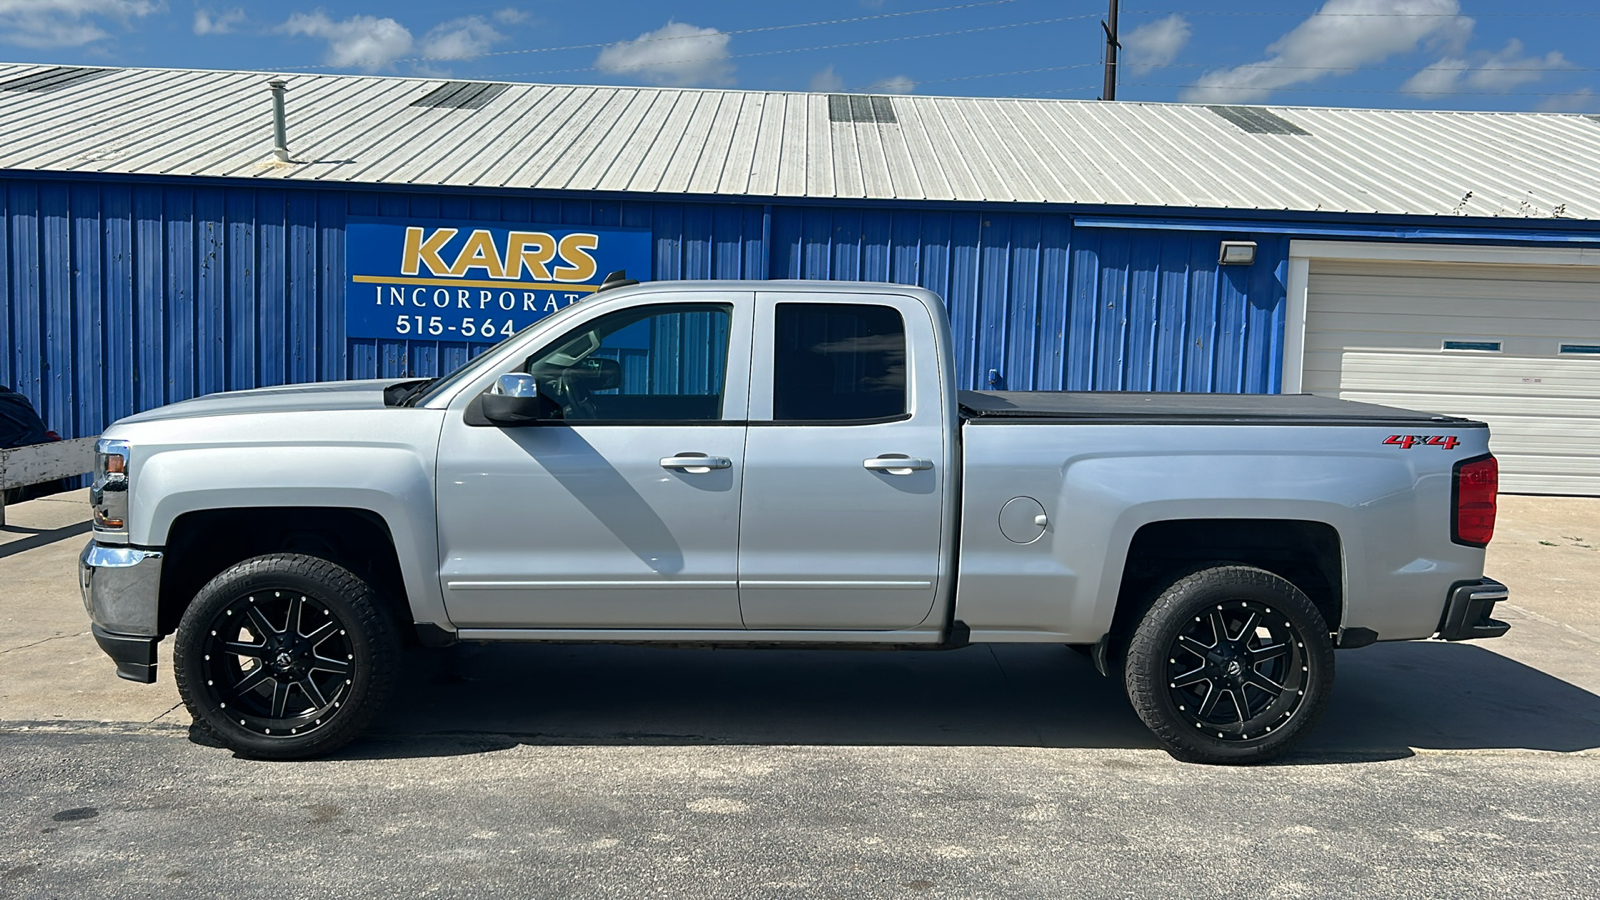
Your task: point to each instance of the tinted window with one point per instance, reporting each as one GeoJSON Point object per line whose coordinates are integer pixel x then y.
{"type": "Point", "coordinates": [838, 362]}
{"type": "Point", "coordinates": [652, 363]}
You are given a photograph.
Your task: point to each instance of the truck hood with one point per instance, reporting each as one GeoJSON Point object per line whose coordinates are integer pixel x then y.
{"type": "Point", "coordinates": [320, 397]}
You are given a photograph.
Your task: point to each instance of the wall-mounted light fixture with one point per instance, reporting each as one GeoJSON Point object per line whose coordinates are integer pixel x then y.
{"type": "Point", "coordinates": [1237, 253]}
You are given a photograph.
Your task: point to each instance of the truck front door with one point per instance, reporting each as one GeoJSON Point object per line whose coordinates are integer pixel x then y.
{"type": "Point", "coordinates": [845, 465]}
{"type": "Point", "coordinates": [624, 514]}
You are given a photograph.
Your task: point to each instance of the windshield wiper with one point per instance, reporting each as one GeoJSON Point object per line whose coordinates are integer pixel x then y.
{"type": "Point", "coordinates": [403, 393]}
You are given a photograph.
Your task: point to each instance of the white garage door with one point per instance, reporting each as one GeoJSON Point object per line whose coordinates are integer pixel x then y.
{"type": "Point", "coordinates": [1515, 346]}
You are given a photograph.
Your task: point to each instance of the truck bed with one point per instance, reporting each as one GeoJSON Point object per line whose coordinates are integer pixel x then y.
{"type": "Point", "coordinates": [1130, 408]}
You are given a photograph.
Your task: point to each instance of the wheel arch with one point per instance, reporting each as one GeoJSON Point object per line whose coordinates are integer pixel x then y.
{"type": "Point", "coordinates": [203, 543]}
{"type": "Point", "coordinates": [1309, 554]}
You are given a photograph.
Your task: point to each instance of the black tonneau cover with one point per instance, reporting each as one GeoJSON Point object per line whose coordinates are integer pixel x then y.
{"type": "Point", "coordinates": [1125, 407]}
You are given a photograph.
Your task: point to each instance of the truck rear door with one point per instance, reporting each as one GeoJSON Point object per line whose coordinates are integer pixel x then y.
{"type": "Point", "coordinates": [845, 464]}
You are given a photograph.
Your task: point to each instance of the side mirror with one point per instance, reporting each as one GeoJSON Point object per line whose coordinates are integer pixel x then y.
{"type": "Point", "coordinates": [515, 401]}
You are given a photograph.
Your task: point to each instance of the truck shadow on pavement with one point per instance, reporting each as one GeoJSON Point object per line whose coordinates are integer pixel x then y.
{"type": "Point", "coordinates": [1388, 699]}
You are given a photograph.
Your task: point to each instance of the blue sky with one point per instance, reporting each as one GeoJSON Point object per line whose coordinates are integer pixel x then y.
{"type": "Point", "coordinates": [1455, 54]}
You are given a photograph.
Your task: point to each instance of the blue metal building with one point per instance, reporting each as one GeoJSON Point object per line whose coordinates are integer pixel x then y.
{"type": "Point", "coordinates": [152, 249]}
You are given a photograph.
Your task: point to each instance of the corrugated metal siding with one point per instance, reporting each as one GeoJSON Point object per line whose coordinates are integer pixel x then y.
{"type": "Point", "coordinates": [121, 297]}
{"type": "Point", "coordinates": [364, 129]}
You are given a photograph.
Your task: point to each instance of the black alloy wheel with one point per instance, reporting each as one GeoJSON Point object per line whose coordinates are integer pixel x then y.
{"type": "Point", "coordinates": [1230, 664]}
{"type": "Point", "coordinates": [285, 656]}
{"type": "Point", "coordinates": [279, 661]}
{"type": "Point", "coordinates": [1238, 670]}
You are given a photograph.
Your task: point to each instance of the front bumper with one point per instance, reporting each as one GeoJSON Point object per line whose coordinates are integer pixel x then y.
{"type": "Point", "coordinates": [134, 655]}
{"type": "Point", "coordinates": [122, 591]}
{"type": "Point", "coordinates": [1467, 614]}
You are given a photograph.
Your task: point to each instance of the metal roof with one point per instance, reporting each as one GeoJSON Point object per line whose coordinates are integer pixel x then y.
{"type": "Point", "coordinates": [372, 130]}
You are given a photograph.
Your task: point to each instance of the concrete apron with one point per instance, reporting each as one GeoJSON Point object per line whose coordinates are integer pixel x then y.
{"type": "Point", "coordinates": [1537, 688]}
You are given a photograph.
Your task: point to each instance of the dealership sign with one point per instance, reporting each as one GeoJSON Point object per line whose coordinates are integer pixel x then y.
{"type": "Point", "coordinates": [417, 279]}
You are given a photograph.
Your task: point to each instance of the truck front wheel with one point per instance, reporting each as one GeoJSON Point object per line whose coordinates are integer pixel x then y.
{"type": "Point", "coordinates": [285, 656]}
{"type": "Point", "coordinates": [1231, 664]}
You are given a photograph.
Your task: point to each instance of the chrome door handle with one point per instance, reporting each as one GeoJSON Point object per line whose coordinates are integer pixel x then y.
{"type": "Point", "coordinates": [696, 465]}
{"type": "Point", "coordinates": [896, 465]}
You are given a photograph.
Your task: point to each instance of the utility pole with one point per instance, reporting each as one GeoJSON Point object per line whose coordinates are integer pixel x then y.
{"type": "Point", "coordinates": [1112, 46]}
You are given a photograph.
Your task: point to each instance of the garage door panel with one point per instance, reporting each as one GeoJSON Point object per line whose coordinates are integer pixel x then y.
{"type": "Point", "coordinates": [1511, 436]}
{"type": "Point", "coordinates": [1361, 327]}
{"type": "Point", "coordinates": [1474, 298]}
{"type": "Point", "coordinates": [1492, 366]}
{"type": "Point", "coordinates": [1454, 271]}
{"type": "Point", "coordinates": [1375, 332]}
{"type": "Point", "coordinates": [1554, 398]}
{"type": "Point", "coordinates": [1532, 303]}
{"type": "Point", "coordinates": [1535, 380]}
{"type": "Point", "coordinates": [1566, 483]}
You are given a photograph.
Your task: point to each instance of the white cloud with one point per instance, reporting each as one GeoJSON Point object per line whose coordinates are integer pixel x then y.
{"type": "Point", "coordinates": [208, 22]}
{"type": "Point", "coordinates": [1339, 38]}
{"type": "Point", "coordinates": [1581, 100]}
{"type": "Point", "coordinates": [1496, 72]}
{"type": "Point", "coordinates": [826, 81]}
{"type": "Point", "coordinates": [1439, 78]}
{"type": "Point", "coordinates": [1509, 68]}
{"type": "Point", "coordinates": [66, 23]}
{"type": "Point", "coordinates": [899, 84]}
{"type": "Point", "coordinates": [1155, 44]}
{"type": "Point", "coordinates": [676, 53]}
{"type": "Point", "coordinates": [365, 42]}
{"type": "Point", "coordinates": [460, 38]}
{"type": "Point", "coordinates": [1451, 37]}
{"type": "Point", "coordinates": [510, 16]}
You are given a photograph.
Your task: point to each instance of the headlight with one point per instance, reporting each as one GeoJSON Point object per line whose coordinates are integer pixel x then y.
{"type": "Point", "coordinates": [109, 493]}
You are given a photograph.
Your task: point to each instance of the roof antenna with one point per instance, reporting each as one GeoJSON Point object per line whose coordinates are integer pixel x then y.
{"type": "Point", "coordinates": [616, 279]}
{"type": "Point", "coordinates": [280, 131]}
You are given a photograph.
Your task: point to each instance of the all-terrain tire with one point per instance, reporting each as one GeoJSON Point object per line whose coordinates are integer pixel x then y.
{"type": "Point", "coordinates": [285, 656]}
{"type": "Point", "coordinates": [1231, 664]}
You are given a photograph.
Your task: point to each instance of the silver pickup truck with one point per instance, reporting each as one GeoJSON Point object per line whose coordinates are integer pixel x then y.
{"type": "Point", "coordinates": [776, 464]}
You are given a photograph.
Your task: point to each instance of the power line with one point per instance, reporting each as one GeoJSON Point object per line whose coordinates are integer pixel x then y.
{"type": "Point", "coordinates": [1316, 90]}
{"type": "Point", "coordinates": [1464, 68]}
{"type": "Point", "coordinates": [1081, 87]}
{"type": "Point", "coordinates": [847, 44]}
{"type": "Point", "coordinates": [683, 37]}
{"type": "Point", "coordinates": [1003, 74]}
{"type": "Point", "coordinates": [1305, 15]}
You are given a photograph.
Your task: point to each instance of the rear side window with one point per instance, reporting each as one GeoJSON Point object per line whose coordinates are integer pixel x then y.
{"type": "Point", "coordinates": [838, 362]}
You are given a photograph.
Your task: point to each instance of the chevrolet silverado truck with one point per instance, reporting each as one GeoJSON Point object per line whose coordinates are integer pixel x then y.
{"type": "Point", "coordinates": [773, 464]}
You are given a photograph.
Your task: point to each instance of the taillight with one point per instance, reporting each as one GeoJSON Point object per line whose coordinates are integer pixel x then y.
{"type": "Point", "coordinates": [1477, 481]}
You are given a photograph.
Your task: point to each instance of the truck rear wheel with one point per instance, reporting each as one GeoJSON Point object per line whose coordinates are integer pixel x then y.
{"type": "Point", "coordinates": [285, 656]}
{"type": "Point", "coordinates": [1231, 664]}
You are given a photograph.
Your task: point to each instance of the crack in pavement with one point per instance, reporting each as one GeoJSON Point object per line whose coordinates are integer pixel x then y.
{"type": "Point", "coordinates": [45, 641]}
{"type": "Point", "coordinates": [78, 726]}
{"type": "Point", "coordinates": [165, 714]}
{"type": "Point", "coordinates": [1006, 677]}
{"type": "Point", "coordinates": [1549, 621]}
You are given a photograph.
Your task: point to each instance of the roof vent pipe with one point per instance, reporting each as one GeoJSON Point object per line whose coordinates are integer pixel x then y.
{"type": "Point", "coordinates": [280, 131]}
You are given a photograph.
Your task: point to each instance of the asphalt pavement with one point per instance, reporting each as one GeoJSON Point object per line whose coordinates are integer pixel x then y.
{"type": "Point", "coordinates": [1439, 770]}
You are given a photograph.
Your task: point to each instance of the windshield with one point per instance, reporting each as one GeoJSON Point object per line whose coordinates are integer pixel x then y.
{"type": "Point", "coordinates": [445, 383]}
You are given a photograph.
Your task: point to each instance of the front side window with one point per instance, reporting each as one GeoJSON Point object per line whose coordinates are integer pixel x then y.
{"type": "Point", "coordinates": [664, 363]}
{"type": "Point", "coordinates": [837, 362]}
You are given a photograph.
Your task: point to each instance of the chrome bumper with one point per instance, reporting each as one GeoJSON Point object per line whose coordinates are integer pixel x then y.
{"type": "Point", "coordinates": [121, 591]}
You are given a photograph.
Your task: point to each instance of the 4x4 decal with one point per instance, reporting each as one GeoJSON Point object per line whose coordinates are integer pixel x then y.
{"type": "Point", "coordinates": [1407, 441]}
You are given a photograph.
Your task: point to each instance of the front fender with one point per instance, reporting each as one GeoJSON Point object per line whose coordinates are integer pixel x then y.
{"type": "Point", "coordinates": [393, 482]}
